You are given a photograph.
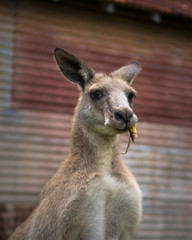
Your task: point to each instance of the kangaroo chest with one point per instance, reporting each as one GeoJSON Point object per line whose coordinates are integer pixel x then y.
{"type": "Point", "coordinates": [110, 204]}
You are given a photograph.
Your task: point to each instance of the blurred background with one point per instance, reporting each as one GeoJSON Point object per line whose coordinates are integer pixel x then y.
{"type": "Point", "coordinates": [37, 104]}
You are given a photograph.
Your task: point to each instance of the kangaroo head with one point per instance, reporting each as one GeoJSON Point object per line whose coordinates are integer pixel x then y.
{"type": "Point", "coordinates": [106, 102]}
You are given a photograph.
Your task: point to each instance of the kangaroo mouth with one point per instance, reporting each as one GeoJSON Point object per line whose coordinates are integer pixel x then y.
{"type": "Point", "coordinates": [120, 127]}
{"type": "Point", "coordinates": [124, 130]}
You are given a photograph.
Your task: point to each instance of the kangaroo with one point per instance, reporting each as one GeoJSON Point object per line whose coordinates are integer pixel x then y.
{"type": "Point", "coordinates": [93, 195]}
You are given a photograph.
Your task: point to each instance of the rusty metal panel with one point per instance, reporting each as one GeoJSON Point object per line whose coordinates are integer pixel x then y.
{"type": "Point", "coordinates": [6, 62]}
{"type": "Point", "coordinates": [166, 62]}
{"type": "Point", "coordinates": [161, 159]}
{"type": "Point", "coordinates": [32, 145]}
{"type": "Point", "coordinates": [164, 174]}
{"type": "Point", "coordinates": [6, 55]}
{"type": "Point", "coordinates": [182, 7]}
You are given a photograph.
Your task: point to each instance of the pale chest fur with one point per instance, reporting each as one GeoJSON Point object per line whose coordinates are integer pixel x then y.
{"type": "Point", "coordinates": [109, 205]}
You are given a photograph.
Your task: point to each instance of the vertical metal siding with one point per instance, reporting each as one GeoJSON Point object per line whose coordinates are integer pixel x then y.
{"type": "Point", "coordinates": [35, 118]}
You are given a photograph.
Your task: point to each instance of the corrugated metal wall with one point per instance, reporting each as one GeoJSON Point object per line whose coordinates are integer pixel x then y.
{"type": "Point", "coordinates": [37, 104]}
{"type": "Point", "coordinates": [182, 7]}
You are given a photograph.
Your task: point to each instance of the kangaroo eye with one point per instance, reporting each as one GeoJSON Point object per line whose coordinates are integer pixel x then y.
{"type": "Point", "coordinates": [96, 95]}
{"type": "Point", "coordinates": [131, 95]}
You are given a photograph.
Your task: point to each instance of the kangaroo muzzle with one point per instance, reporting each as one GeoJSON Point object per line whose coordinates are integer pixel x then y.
{"type": "Point", "coordinates": [123, 116]}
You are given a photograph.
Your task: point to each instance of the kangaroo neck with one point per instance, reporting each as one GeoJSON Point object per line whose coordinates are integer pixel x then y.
{"type": "Point", "coordinates": [92, 147]}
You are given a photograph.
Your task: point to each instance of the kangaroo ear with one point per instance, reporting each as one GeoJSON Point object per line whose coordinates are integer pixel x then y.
{"type": "Point", "coordinates": [128, 72]}
{"type": "Point", "coordinates": [72, 68]}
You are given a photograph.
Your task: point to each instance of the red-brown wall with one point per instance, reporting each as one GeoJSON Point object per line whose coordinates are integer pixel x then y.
{"type": "Point", "coordinates": [36, 105]}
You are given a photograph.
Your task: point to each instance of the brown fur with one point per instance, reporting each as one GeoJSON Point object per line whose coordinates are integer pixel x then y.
{"type": "Point", "coordinates": [93, 195]}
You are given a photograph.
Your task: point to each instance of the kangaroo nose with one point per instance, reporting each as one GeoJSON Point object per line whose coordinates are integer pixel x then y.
{"type": "Point", "coordinates": [123, 116]}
